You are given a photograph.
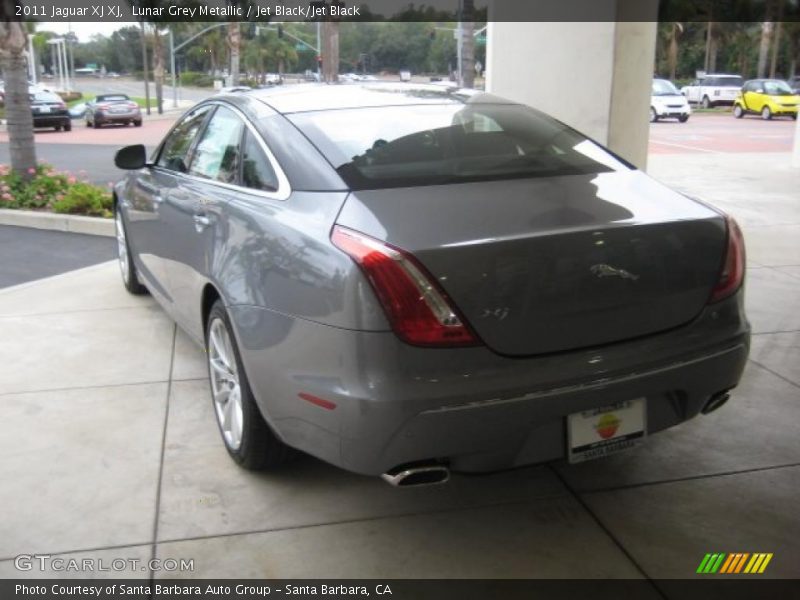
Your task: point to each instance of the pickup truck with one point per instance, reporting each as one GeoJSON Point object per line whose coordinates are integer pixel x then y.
{"type": "Point", "coordinates": [712, 90]}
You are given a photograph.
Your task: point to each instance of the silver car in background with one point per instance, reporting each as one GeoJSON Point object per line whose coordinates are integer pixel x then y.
{"type": "Point", "coordinates": [407, 280]}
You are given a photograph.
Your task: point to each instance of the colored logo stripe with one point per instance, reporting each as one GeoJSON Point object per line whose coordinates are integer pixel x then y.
{"type": "Point", "coordinates": [720, 562]}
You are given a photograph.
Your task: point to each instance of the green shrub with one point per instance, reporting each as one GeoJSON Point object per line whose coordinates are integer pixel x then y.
{"type": "Point", "coordinates": [84, 199]}
{"type": "Point", "coordinates": [47, 189]}
{"type": "Point", "coordinates": [196, 78]}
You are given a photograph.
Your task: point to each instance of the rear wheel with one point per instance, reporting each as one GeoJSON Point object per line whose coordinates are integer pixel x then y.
{"type": "Point", "coordinates": [126, 266]}
{"type": "Point", "coordinates": [137, 123]}
{"type": "Point", "coordinates": [96, 124]}
{"type": "Point", "coordinates": [706, 103]}
{"type": "Point", "coordinates": [68, 126]}
{"type": "Point", "coordinates": [766, 113]}
{"type": "Point", "coordinates": [738, 111]}
{"type": "Point", "coordinates": [248, 439]}
{"type": "Point", "coordinates": [683, 118]}
{"type": "Point", "coordinates": [57, 127]}
{"type": "Point", "coordinates": [653, 115]}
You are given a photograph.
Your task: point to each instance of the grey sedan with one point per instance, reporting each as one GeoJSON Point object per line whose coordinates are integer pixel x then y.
{"type": "Point", "coordinates": [407, 280]}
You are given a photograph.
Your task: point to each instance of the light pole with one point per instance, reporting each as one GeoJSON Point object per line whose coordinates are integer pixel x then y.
{"type": "Point", "coordinates": [31, 59]}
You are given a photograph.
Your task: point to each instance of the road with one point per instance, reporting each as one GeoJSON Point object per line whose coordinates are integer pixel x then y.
{"type": "Point", "coordinates": [30, 254]}
{"type": "Point", "coordinates": [92, 150]}
{"type": "Point", "coordinates": [124, 85]}
{"type": "Point", "coordinates": [709, 133]}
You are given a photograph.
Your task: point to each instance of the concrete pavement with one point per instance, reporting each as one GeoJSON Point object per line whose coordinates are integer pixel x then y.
{"type": "Point", "coordinates": [109, 448]}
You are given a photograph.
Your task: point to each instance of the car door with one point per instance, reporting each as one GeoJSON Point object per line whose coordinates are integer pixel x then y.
{"type": "Point", "coordinates": [756, 98]}
{"type": "Point", "coordinates": [693, 93]}
{"type": "Point", "coordinates": [194, 212]}
{"type": "Point", "coordinates": [153, 185]}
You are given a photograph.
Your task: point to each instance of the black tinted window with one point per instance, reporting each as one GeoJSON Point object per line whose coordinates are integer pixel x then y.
{"type": "Point", "coordinates": [432, 144]}
{"type": "Point", "coordinates": [217, 154]}
{"type": "Point", "coordinates": [257, 172]}
{"type": "Point", "coordinates": [174, 154]}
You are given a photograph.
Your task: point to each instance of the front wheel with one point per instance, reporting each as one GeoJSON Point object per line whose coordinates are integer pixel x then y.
{"type": "Point", "coordinates": [766, 113]}
{"type": "Point", "coordinates": [706, 103]}
{"type": "Point", "coordinates": [738, 111]}
{"type": "Point", "coordinates": [683, 118]}
{"type": "Point", "coordinates": [248, 439]}
{"type": "Point", "coordinates": [68, 126]}
{"type": "Point", "coordinates": [653, 115]}
{"type": "Point", "coordinates": [130, 277]}
{"type": "Point", "coordinates": [137, 123]}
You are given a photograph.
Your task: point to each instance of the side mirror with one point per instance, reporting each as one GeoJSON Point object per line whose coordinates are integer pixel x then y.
{"type": "Point", "coordinates": [131, 157]}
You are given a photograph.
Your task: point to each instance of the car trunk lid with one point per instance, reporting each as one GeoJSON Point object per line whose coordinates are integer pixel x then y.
{"type": "Point", "coordinates": [553, 264]}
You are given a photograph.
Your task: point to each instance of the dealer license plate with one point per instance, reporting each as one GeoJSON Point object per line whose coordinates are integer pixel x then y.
{"type": "Point", "coordinates": [44, 109]}
{"type": "Point", "coordinates": [602, 431]}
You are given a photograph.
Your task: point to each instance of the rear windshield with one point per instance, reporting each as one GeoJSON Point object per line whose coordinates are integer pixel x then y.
{"type": "Point", "coordinates": [114, 98]}
{"type": "Point", "coordinates": [401, 146]}
{"type": "Point", "coordinates": [45, 97]}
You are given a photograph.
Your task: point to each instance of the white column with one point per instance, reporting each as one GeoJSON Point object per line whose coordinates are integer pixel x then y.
{"type": "Point", "coordinates": [594, 76]}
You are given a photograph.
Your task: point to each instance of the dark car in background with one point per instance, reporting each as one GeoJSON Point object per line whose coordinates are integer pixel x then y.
{"type": "Point", "coordinates": [404, 279]}
{"type": "Point", "coordinates": [112, 109]}
{"type": "Point", "coordinates": [49, 110]}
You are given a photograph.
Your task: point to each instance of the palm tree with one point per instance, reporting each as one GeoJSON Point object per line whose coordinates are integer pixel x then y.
{"type": "Point", "coordinates": [234, 44]}
{"type": "Point", "coordinates": [13, 44]}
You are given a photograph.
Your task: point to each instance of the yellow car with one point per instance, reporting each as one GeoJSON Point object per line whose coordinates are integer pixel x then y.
{"type": "Point", "coordinates": [766, 97]}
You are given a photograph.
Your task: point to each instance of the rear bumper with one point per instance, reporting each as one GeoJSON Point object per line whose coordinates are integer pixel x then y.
{"type": "Point", "coordinates": [118, 117]}
{"type": "Point", "coordinates": [50, 120]}
{"type": "Point", "coordinates": [472, 408]}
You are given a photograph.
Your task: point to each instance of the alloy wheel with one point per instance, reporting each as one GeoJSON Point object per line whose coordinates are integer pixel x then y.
{"type": "Point", "coordinates": [122, 248]}
{"type": "Point", "coordinates": [225, 384]}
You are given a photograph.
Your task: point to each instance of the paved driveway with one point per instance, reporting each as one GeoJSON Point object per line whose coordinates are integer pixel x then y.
{"type": "Point", "coordinates": [109, 449]}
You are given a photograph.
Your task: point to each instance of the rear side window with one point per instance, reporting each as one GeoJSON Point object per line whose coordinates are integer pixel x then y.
{"type": "Point", "coordinates": [217, 154]}
{"type": "Point", "coordinates": [174, 154]}
{"type": "Point", "coordinates": [257, 172]}
{"type": "Point", "coordinates": [405, 146]}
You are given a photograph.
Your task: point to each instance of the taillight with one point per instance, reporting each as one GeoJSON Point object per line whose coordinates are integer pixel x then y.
{"type": "Point", "coordinates": [733, 267]}
{"type": "Point", "coordinates": [417, 308]}
{"type": "Point", "coordinates": [133, 105]}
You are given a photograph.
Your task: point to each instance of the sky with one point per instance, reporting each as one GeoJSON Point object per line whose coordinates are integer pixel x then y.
{"type": "Point", "coordinates": [84, 31]}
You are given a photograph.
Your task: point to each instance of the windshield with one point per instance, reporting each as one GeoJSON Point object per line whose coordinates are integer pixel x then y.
{"type": "Point", "coordinates": [405, 146]}
{"type": "Point", "coordinates": [45, 97]}
{"type": "Point", "coordinates": [662, 87]}
{"type": "Point", "coordinates": [777, 88]}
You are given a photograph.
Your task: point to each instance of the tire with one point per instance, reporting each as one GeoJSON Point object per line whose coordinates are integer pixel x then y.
{"type": "Point", "coordinates": [683, 118]}
{"type": "Point", "coordinates": [738, 111]}
{"type": "Point", "coordinates": [68, 126]}
{"type": "Point", "coordinates": [247, 437]}
{"type": "Point", "coordinates": [88, 124]}
{"type": "Point", "coordinates": [130, 278]}
{"type": "Point", "coordinates": [96, 124]}
{"type": "Point", "coordinates": [706, 103]}
{"type": "Point", "coordinates": [794, 117]}
{"type": "Point", "coordinates": [766, 113]}
{"type": "Point", "coordinates": [653, 115]}
{"type": "Point", "coordinates": [137, 123]}
{"type": "Point", "coordinates": [57, 127]}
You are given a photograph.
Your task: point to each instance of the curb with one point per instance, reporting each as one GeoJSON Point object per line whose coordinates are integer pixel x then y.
{"type": "Point", "coordinates": [57, 222]}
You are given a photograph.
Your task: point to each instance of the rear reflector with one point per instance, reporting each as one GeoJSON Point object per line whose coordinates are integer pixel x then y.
{"type": "Point", "coordinates": [327, 404]}
{"type": "Point", "coordinates": [417, 308]}
{"type": "Point", "coordinates": [732, 274]}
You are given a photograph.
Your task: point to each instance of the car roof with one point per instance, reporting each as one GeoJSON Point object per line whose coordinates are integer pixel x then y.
{"type": "Point", "coordinates": [305, 97]}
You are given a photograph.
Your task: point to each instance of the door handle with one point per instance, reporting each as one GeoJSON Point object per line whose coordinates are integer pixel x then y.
{"type": "Point", "coordinates": [201, 222]}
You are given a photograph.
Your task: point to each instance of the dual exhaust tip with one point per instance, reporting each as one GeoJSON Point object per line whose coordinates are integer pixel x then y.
{"type": "Point", "coordinates": [417, 475]}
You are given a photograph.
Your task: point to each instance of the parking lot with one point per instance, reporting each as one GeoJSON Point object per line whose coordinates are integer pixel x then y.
{"type": "Point", "coordinates": [109, 446]}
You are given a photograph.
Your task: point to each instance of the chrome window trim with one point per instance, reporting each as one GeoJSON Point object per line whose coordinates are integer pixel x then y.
{"type": "Point", "coordinates": [284, 188]}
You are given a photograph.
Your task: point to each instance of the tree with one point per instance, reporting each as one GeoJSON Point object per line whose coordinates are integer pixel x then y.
{"type": "Point", "coordinates": [158, 68]}
{"type": "Point", "coordinates": [467, 76]}
{"type": "Point", "coordinates": [234, 44]}
{"type": "Point", "coordinates": [13, 44]}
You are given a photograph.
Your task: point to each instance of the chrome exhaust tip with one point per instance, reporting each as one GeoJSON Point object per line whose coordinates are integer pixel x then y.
{"type": "Point", "coordinates": [715, 402]}
{"type": "Point", "coordinates": [416, 476]}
